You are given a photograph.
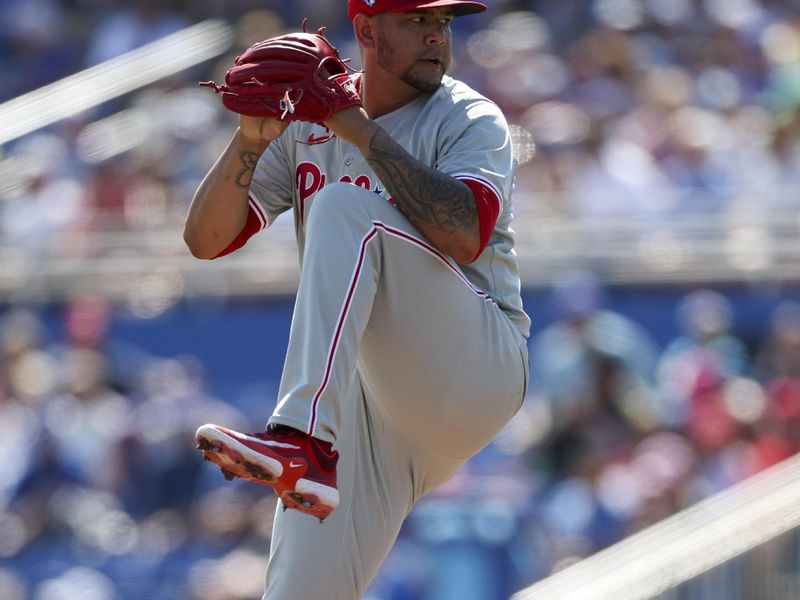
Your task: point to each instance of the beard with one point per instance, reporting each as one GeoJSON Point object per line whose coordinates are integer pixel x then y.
{"type": "Point", "coordinates": [411, 75]}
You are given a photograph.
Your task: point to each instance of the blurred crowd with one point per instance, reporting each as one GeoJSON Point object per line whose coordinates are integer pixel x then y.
{"type": "Point", "coordinates": [630, 432]}
{"type": "Point", "coordinates": [643, 109]}
{"type": "Point", "coordinates": [103, 496]}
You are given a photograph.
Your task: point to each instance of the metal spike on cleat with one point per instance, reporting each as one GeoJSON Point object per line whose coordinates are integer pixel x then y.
{"type": "Point", "coordinates": [205, 445]}
{"type": "Point", "coordinates": [228, 475]}
{"type": "Point", "coordinates": [258, 472]}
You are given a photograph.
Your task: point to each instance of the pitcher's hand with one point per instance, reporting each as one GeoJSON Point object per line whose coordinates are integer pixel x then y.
{"type": "Point", "coordinates": [261, 129]}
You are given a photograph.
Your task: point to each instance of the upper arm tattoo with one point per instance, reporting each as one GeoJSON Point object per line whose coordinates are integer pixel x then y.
{"type": "Point", "coordinates": [423, 194]}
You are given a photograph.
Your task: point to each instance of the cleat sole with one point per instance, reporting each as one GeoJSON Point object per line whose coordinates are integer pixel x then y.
{"type": "Point", "coordinates": [235, 460]}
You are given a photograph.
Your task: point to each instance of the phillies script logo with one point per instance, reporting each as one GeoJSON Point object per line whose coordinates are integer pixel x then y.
{"type": "Point", "coordinates": [310, 179]}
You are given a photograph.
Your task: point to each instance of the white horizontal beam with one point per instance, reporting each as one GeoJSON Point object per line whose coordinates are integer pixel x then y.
{"type": "Point", "coordinates": [95, 85]}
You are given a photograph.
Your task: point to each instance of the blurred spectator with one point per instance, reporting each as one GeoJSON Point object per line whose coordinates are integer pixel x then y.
{"type": "Point", "coordinates": [779, 354]}
{"type": "Point", "coordinates": [592, 359]}
{"type": "Point", "coordinates": [40, 42]}
{"type": "Point", "coordinates": [133, 24]}
{"type": "Point", "coordinates": [592, 383]}
{"type": "Point", "coordinates": [696, 367]}
{"type": "Point", "coordinates": [49, 198]}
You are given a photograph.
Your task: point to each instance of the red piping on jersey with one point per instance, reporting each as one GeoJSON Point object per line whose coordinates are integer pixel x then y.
{"type": "Point", "coordinates": [354, 278]}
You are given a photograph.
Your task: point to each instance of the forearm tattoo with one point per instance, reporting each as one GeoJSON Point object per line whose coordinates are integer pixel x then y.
{"type": "Point", "coordinates": [423, 194]}
{"type": "Point", "coordinates": [249, 161]}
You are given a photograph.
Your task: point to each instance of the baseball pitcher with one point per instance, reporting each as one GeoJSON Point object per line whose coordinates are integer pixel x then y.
{"type": "Point", "coordinates": [407, 352]}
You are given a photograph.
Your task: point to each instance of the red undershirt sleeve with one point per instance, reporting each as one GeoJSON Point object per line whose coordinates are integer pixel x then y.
{"type": "Point", "coordinates": [256, 221]}
{"type": "Point", "coordinates": [488, 203]}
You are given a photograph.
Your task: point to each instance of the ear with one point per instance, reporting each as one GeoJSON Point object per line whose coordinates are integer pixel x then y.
{"type": "Point", "coordinates": [364, 28]}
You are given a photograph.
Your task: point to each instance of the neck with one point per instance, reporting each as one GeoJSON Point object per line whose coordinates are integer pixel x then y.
{"type": "Point", "coordinates": [382, 95]}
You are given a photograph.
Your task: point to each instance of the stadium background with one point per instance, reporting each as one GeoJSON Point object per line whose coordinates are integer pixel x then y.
{"type": "Point", "coordinates": [657, 222]}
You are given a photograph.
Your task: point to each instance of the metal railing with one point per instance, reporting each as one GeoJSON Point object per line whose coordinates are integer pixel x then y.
{"type": "Point", "coordinates": [715, 550]}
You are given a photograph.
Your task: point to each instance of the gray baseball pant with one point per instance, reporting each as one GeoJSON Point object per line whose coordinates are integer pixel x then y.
{"type": "Point", "coordinates": [401, 362]}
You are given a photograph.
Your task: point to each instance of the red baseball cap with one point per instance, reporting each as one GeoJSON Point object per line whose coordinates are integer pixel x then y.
{"type": "Point", "coordinates": [373, 7]}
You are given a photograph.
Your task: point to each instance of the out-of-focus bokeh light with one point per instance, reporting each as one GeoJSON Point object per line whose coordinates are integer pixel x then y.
{"type": "Point", "coordinates": [34, 375]}
{"type": "Point", "coordinates": [704, 313]}
{"type": "Point", "coordinates": [161, 533]}
{"type": "Point", "coordinates": [781, 43]}
{"type": "Point", "coordinates": [155, 293]}
{"type": "Point", "coordinates": [556, 123]}
{"type": "Point", "coordinates": [669, 12]}
{"type": "Point", "coordinates": [619, 490]}
{"type": "Point", "coordinates": [78, 582]}
{"type": "Point", "coordinates": [718, 88]}
{"type": "Point", "coordinates": [664, 251]}
{"type": "Point", "coordinates": [489, 49]}
{"type": "Point", "coordinates": [733, 13]}
{"type": "Point", "coordinates": [12, 586]}
{"type": "Point", "coordinates": [619, 14]}
{"type": "Point", "coordinates": [15, 536]}
{"type": "Point", "coordinates": [698, 128]}
{"type": "Point", "coordinates": [661, 461]}
{"type": "Point", "coordinates": [236, 576]}
{"type": "Point", "coordinates": [670, 87]}
{"type": "Point", "coordinates": [750, 248]}
{"type": "Point", "coordinates": [744, 400]}
{"type": "Point", "coordinates": [523, 30]}
{"type": "Point", "coordinates": [538, 77]}
{"type": "Point", "coordinates": [257, 25]}
{"type": "Point", "coordinates": [224, 512]}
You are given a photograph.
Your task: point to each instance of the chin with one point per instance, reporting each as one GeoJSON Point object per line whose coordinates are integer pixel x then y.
{"type": "Point", "coordinates": [425, 80]}
{"type": "Point", "coordinates": [429, 87]}
{"type": "Point", "coordinates": [425, 85]}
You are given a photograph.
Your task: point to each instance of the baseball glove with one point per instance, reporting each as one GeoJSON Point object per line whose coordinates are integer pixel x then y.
{"type": "Point", "coordinates": [292, 77]}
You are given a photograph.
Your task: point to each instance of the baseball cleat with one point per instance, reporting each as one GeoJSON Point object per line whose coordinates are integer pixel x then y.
{"type": "Point", "coordinates": [300, 468]}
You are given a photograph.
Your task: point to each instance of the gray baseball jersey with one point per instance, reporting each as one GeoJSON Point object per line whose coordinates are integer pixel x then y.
{"type": "Point", "coordinates": [456, 130]}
